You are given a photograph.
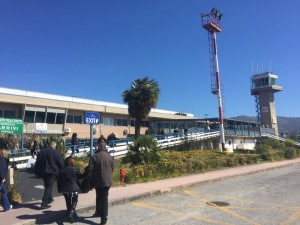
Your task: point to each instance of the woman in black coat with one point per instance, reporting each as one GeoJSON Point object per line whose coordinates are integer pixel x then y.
{"type": "Point", "coordinates": [67, 183]}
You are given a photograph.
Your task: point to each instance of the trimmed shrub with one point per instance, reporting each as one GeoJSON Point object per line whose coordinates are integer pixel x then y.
{"type": "Point", "coordinates": [10, 141]}
{"type": "Point", "coordinates": [273, 143]}
{"type": "Point", "coordinates": [290, 153]}
{"type": "Point", "coordinates": [175, 163]}
{"type": "Point", "coordinates": [143, 150]}
{"type": "Point", "coordinates": [45, 142]}
{"type": "Point", "coordinates": [14, 195]}
{"type": "Point", "coordinates": [263, 148]}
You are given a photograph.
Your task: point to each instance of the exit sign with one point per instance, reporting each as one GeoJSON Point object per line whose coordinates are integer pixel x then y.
{"type": "Point", "coordinates": [92, 118]}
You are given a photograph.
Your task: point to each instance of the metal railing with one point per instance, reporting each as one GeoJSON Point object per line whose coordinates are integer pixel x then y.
{"type": "Point", "coordinates": [119, 148]}
{"type": "Point", "coordinates": [20, 158]}
{"type": "Point", "coordinates": [278, 138]}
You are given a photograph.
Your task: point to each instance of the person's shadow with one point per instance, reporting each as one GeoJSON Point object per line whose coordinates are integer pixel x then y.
{"type": "Point", "coordinates": [50, 217]}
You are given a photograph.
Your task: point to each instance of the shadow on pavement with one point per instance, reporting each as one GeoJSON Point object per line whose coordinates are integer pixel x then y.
{"type": "Point", "coordinates": [51, 217]}
{"type": "Point", "coordinates": [61, 219]}
{"type": "Point", "coordinates": [35, 206]}
{"type": "Point", "coordinates": [45, 217]}
{"type": "Point", "coordinates": [85, 220]}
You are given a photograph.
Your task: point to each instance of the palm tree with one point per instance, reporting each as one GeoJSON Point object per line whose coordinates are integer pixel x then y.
{"type": "Point", "coordinates": [141, 97]}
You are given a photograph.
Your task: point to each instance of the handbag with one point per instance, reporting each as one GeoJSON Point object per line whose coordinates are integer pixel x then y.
{"type": "Point", "coordinates": [86, 183]}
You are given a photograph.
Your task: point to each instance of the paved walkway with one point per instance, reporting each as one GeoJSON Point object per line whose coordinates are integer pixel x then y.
{"type": "Point", "coordinates": [30, 213]}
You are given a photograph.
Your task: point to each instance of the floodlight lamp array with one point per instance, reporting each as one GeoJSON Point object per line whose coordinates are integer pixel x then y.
{"type": "Point", "coordinates": [216, 14]}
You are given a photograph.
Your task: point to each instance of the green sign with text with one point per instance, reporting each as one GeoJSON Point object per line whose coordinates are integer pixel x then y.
{"type": "Point", "coordinates": [11, 126]}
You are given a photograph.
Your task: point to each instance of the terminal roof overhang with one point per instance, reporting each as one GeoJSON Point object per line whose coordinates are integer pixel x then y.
{"type": "Point", "coordinates": [16, 96]}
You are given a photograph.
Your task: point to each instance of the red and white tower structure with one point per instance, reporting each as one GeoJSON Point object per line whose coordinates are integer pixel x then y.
{"type": "Point", "coordinates": [212, 23]}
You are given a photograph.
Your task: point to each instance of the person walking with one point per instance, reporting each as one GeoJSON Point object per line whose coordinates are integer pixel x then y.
{"type": "Point", "coordinates": [63, 139]}
{"type": "Point", "coordinates": [67, 183]}
{"type": "Point", "coordinates": [49, 163]}
{"type": "Point", "coordinates": [3, 176]}
{"type": "Point", "coordinates": [102, 169]}
{"type": "Point", "coordinates": [111, 138]}
{"type": "Point", "coordinates": [74, 143]}
{"type": "Point", "coordinates": [35, 146]}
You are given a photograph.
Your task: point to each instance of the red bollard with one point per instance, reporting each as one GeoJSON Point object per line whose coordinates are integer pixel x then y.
{"type": "Point", "coordinates": [122, 175]}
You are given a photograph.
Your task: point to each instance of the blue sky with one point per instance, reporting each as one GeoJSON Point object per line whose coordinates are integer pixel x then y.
{"type": "Point", "coordinates": [95, 48]}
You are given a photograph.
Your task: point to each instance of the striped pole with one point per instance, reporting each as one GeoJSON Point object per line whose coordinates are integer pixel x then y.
{"type": "Point", "coordinates": [221, 120]}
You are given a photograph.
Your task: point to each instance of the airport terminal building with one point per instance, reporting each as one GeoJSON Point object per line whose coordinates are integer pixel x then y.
{"type": "Point", "coordinates": [57, 114]}
{"type": "Point", "coordinates": [50, 114]}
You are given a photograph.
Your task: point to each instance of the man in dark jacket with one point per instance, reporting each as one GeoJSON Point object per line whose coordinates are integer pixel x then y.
{"type": "Point", "coordinates": [102, 170]}
{"type": "Point", "coordinates": [49, 163]}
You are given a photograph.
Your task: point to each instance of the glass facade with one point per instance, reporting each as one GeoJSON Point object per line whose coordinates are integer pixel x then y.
{"type": "Point", "coordinates": [264, 81]}
{"type": "Point", "coordinates": [43, 117]}
{"type": "Point", "coordinates": [232, 127]}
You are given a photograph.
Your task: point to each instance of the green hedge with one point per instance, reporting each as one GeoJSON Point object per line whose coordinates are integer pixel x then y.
{"type": "Point", "coordinates": [174, 164]}
{"type": "Point", "coordinates": [180, 163]}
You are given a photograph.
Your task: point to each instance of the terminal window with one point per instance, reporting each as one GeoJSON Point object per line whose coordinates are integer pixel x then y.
{"type": "Point", "coordinates": [40, 117]}
{"type": "Point", "coordinates": [6, 113]}
{"type": "Point", "coordinates": [55, 118]}
{"type": "Point", "coordinates": [122, 122]}
{"type": "Point", "coordinates": [60, 118]}
{"type": "Point", "coordinates": [74, 119]}
{"type": "Point", "coordinates": [143, 123]}
{"type": "Point", "coordinates": [29, 116]}
{"type": "Point", "coordinates": [50, 118]}
{"type": "Point", "coordinates": [108, 121]}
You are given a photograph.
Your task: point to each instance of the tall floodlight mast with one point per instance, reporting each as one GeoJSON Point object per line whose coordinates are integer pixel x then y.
{"type": "Point", "coordinates": [212, 23]}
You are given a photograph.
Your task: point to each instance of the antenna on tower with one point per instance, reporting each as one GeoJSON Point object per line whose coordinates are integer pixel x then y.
{"type": "Point", "coordinates": [270, 66]}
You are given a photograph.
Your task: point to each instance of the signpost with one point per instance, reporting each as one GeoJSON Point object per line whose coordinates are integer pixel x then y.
{"type": "Point", "coordinates": [11, 126]}
{"type": "Point", "coordinates": [91, 118]}
{"type": "Point", "coordinates": [41, 128]}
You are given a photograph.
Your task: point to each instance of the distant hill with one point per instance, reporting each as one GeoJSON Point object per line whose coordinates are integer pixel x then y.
{"type": "Point", "coordinates": [285, 124]}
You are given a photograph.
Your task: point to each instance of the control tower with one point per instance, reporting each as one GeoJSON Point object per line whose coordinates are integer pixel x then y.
{"type": "Point", "coordinates": [263, 87]}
